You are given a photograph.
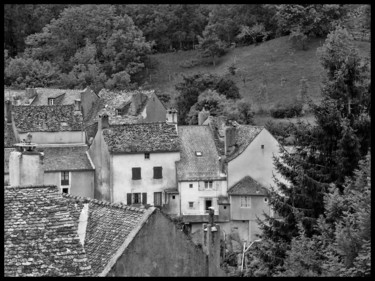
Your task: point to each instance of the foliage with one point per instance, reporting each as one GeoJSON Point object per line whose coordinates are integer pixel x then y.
{"type": "Point", "coordinates": [193, 86]}
{"type": "Point", "coordinates": [303, 90]}
{"type": "Point", "coordinates": [211, 45]}
{"type": "Point", "coordinates": [327, 152]}
{"type": "Point", "coordinates": [91, 45]}
{"type": "Point", "coordinates": [287, 110]}
{"type": "Point", "coordinates": [255, 34]}
{"type": "Point", "coordinates": [280, 130]}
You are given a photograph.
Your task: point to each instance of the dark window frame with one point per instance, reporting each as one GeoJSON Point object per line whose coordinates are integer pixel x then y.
{"type": "Point", "coordinates": [136, 173]}
{"type": "Point", "coordinates": [51, 101]}
{"type": "Point", "coordinates": [147, 155]}
{"type": "Point", "coordinates": [158, 172]}
{"type": "Point", "coordinates": [158, 198]}
{"type": "Point", "coordinates": [65, 178]}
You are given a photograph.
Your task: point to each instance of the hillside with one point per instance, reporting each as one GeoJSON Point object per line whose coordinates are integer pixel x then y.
{"type": "Point", "coordinates": [268, 62]}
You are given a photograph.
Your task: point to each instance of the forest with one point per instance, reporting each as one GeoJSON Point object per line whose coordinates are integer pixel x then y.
{"type": "Point", "coordinates": [323, 221]}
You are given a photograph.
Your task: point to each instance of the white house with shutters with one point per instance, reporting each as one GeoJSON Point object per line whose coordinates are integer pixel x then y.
{"type": "Point", "coordinates": [136, 162]}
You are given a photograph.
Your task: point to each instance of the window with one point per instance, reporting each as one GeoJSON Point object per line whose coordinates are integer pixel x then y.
{"type": "Point", "coordinates": [191, 205]}
{"type": "Point", "coordinates": [157, 198]}
{"type": "Point", "coordinates": [147, 155]}
{"type": "Point", "coordinates": [173, 197]}
{"type": "Point", "coordinates": [208, 204]}
{"type": "Point", "coordinates": [64, 178]}
{"type": "Point", "coordinates": [198, 153]}
{"type": "Point", "coordinates": [225, 207]}
{"type": "Point", "coordinates": [136, 173]}
{"type": "Point", "coordinates": [158, 173]}
{"type": "Point", "coordinates": [208, 184]}
{"type": "Point", "coordinates": [265, 199]}
{"type": "Point", "coordinates": [136, 198]}
{"type": "Point", "coordinates": [118, 112]}
{"type": "Point", "coordinates": [262, 146]}
{"type": "Point", "coordinates": [190, 185]}
{"type": "Point", "coordinates": [245, 202]}
{"type": "Point", "coordinates": [65, 190]}
{"type": "Point", "coordinates": [51, 101]}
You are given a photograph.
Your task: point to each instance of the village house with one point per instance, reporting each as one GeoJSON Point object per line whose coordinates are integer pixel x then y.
{"type": "Point", "coordinates": [49, 124]}
{"type": "Point", "coordinates": [125, 107]}
{"type": "Point", "coordinates": [135, 163]}
{"type": "Point", "coordinates": [201, 181]}
{"type": "Point", "coordinates": [49, 233]}
{"type": "Point", "coordinates": [247, 152]}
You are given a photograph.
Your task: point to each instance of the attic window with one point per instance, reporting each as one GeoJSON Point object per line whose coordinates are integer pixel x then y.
{"type": "Point", "coordinates": [118, 112]}
{"type": "Point", "coordinates": [198, 153]}
{"type": "Point", "coordinates": [51, 101]}
{"type": "Point", "coordinates": [147, 155]}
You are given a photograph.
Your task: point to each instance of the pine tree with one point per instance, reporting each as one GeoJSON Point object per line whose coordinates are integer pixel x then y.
{"type": "Point", "coordinates": [327, 152]}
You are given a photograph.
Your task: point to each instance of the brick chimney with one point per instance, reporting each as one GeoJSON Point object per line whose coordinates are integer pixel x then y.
{"type": "Point", "coordinates": [26, 164]}
{"type": "Point", "coordinates": [211, 244]}
{"type": "Point", "coordinates": [172, 116]}
{"type": "Point", "coordinates": [202, 116]}
{"type": "Point", "coordinates": [103, 121]}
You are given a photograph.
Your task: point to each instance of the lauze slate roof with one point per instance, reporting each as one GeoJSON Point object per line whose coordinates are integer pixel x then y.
{"type": "Point", "coordinates": [142, 137]}
{"type": "Point", "coordinates": [61, 96]}
{"type": "Point", "coordinates": [191, 166]}
{"type": "Point", "coordinates": [244, 135]}
{"type": "Point", "coordinates": [40, 236]}
{"type": "Point", "coordinates": [47, 118]}
{"type": "Point", "coordinates": [107, 228]}
{"type": "Point", "coordinates": [248, 186]}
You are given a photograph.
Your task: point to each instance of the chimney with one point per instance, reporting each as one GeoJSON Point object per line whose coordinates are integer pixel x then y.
{"type": "Point", "coordinates": [211, 245]}
{"type": "Point", "coordinates": [202, 116]}
{"type": "Point", "coordinates": [172, 116]}
{"type": "Point", "coordinates": [8, 111]}
{"type": "Point", "coordinates": [103, 121]}
{"type": "Point", "coordinates": [137, 100]}
{"type": "Point", "coordinates": [26, 164]}
{"type": "Point", "coordinates": [77, 105]}
{"type": "Point", "coordinates": [229, 138]}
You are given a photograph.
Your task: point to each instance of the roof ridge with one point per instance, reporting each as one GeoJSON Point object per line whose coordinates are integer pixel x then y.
{"type": "Point", "coordinates": [31, 186]}
{"type": "Point", "coordinates": [104, 203]}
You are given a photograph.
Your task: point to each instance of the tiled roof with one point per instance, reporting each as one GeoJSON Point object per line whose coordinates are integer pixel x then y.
{"type": "Point", "coordinates": [244, 135]}
{"type": "Point", "coordinates": [68, 158]}
{"type": "Point", "coordinates": [108, 226]}
{"type": "Point", "coordinates": [7, 152]}
{"type": "Point", "coordinates": [9, 137]}
{"type": "Point", "coordinates": [192, 167]}
{"type": "Point", "coordinates": [47, 118]}
{"type": "Point", "coordinates": [62, 96]}
{"type": "Point", "coordinates": [142, 137]}
{"type": "Point", "coordinates": [247, 186]}
{"type": "Point", "coordinates": [40, 236]}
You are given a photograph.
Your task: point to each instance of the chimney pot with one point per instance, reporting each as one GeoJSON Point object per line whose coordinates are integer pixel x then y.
{"type": "Point", "coordinates": [104, 120]}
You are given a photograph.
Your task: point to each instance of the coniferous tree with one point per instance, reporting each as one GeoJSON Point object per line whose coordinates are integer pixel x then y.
{"type": "Point", "coordinates": [327, 152]}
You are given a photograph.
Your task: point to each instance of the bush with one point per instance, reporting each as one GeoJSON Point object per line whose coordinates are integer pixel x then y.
{"type": "Point", "coordinates": [287, 111]}
{"type": "Point", "coordinates": [189, 63]}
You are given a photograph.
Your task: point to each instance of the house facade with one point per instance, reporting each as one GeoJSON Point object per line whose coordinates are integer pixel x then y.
{"type": "Point", "coordinates": [201, 180]}
{"type": "Point", "coordinates": [137, 162]}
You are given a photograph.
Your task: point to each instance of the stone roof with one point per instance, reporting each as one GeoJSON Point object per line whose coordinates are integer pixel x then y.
{"type": "Point", "coordinates": [47, 118]}
{"type": "Point", "coordinates": [192, 167]}
{"type": "Point", "coordinates": [40, 236]}
{"type": "Point", "coordinates": [107, 228]}
{"type": "Point", "coordinates": [59, 158]}
{"type": "Point", "coordinates": [142, 137]}
{"type": "Point", "coordinates": [248, 186]}
{"type": "Point", "coordinates": [65, 158]}
{"type": "Point", "coordinates": [62, 96]}
{"type": "Point", "coordinates": [244, 135]}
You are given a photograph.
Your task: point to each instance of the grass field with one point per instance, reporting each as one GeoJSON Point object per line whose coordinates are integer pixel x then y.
{"type": "Point", "coordinates": [269, 63]}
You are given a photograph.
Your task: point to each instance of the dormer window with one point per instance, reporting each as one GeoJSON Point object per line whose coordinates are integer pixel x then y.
{"type": "Point", "coordinates": [198, 153]}
{"type": "Point", "coordinates": [118, 112]}
{"type": "Point", "coordinates": [147, 155]}
{"type": "Point", "coordinates": [51, 101]}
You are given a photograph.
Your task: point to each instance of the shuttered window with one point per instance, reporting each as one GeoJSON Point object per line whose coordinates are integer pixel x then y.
{"type": "Point", "coordinates": [128, 198]}
{"type": "Point", "coordinates": [136, 198]}
{"type": "Point", "coordinates": [136, 173]}
{"type": "Point", "coordinates": [157, 198]}
{"type": "Point", "coordinates": [158, 174]}
{"type": "Point", "coordinates": [144, 198]}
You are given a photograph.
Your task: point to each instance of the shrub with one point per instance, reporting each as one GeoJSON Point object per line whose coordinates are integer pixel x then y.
{"type": "Point", "coordinates": [287, 111]}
